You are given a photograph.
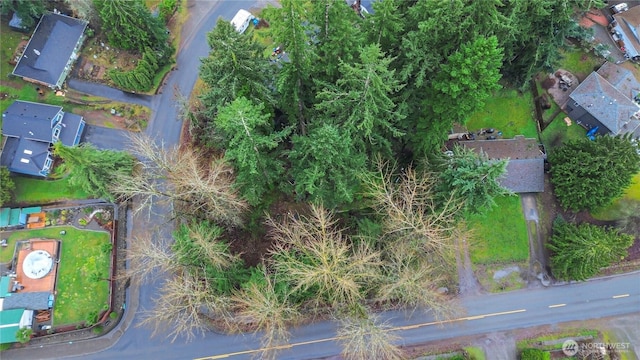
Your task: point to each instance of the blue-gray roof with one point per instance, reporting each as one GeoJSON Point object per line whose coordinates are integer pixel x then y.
{"type": "Point", "coordinates": [29, 120]}
{"type": "Point", "coordinates": [50, 48]}
{"type": "Point", "coordinates": [26, 300]}
{"type": "Point", "coordinates": [31, 158]}
{"type": "Point", "coordinates": [525, 168]}
{"type": "Point", "coordinates": [608, 103]}
{"type": "Point", "coordinates": [29, 128]}
{"type": "Point", "coordinates": [72, 128]}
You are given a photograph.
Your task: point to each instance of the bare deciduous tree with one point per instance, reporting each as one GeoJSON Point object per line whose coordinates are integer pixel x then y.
{"type": "Point", "coordinates": [148, 255]}
{"type": "Point", "coordinates": [186, 180]}
{"type": "Point", "coordinates": [412, 281]}
{"type": "Point", "coordinates": [260, 305]}
{"type": "Point", "coordinates": [363, 337]}
{"type": "Point", "coordinates": [313, 252]}
{"type": "Point", "coordinates": [184, 306]}
{"type": "Point", "coordinates": [410, 211]}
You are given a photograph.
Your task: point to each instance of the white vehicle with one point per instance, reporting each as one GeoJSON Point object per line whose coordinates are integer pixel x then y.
{"type": "Point", "coordinates": [242, 20]}
{"type": "Point", "coordinates": [622, 7]}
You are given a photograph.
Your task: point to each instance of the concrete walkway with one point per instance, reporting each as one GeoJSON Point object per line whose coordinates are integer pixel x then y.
{"type": "Point", "coordinates": [537, 251]}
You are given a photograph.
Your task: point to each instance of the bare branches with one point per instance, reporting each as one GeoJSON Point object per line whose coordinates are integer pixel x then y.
{"type": "Point", "coordinates": [364, 338]}
{"type": "Point", "coordinates": [314, 253]}
{"type": "Point", "coordinates": [149, 255]}
{"type": "Point", "coordinates": [183, 300]}
{"type": "Point", "coordinates": [260, 305]}
{"type": "Point", "coordinates": [410, 211]}
{"type": "Point", "coordinates": [184, 179]}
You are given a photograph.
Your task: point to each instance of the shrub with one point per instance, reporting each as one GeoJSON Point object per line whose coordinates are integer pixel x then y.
{"type": "Point", "coordinates": [113, 315]}
{"type": "Point", "coordinates": [97, 330]}
{"type": "Point", "coordinates": [535, 354]}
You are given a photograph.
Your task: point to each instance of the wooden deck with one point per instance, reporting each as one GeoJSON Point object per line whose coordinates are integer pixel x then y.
{"type": "Point", "coordinates": [47, 283]}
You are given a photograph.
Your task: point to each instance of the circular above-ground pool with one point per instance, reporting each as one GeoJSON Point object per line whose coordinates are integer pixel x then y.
{"type": "Point", "coordinates": [37, 264]}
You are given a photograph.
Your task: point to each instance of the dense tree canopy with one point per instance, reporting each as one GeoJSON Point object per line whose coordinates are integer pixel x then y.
{"type": "Point", "coordinates": [6, 185]}
{"type": "Point", "coordinates": [29, 11]}
{"type": "Point", "coordinates": [251, 146]}
{"type": "Point", "coordinates": [580, 251]}
{"type": "Point", "coordinates": [326, 166]}
{"type": "Point", "coordinates": [472, 178]}
{"type": "Point", "coordinates": [129, 25]}
{"type": "Point", "coordinates": [93, 170]}
{"type": "Point", "coordinates": [588, 175]}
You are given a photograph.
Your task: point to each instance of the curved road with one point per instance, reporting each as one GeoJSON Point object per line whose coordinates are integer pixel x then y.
{"type": "Point", "coordinates": [593, 299]}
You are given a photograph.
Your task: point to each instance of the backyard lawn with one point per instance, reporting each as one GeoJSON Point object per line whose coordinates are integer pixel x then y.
{"type": "Point", "coordinates": [630, 198]}
{"type": "Point", "coordinates": [507, 111]}
{"type": "Point", "coordinates": [500, 235]}
{"type": "Point", "coordinates": [557, 133]}
{"type": "Point", "coordinates": [83, 254]}
{"type": "Point", "coordinates": [31, 191]}
{"type": "Point", "coordinates": [579, 63]}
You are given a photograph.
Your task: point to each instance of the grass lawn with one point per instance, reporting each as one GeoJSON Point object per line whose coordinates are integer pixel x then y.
{"type": "Point", "coordinates": [81, 256]}
{"type": "Point", "coordinates": [507, 111]}
{"type": "Point", "coordinates": [31, 191]}
{"type": "Point", "coordinates": [557, 133]}
{"type": "Point", "coordinates": [500, 235]}
{"type": "Point", "coordinates": [579, 63]}
{"type": "Point", "coordinates": [616, 210]}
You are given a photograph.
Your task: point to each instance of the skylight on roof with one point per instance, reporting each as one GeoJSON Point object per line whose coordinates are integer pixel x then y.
{"type": "Point", "coordinates": [24, 161]}
{"type": "Point", "coordinates": [28, 152]}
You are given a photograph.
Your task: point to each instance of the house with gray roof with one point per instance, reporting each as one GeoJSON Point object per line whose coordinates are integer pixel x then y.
{"type": "Point", "coordinates": [607, 98]}
{"type": "Point", "coordinates": [30, 130]}
{"type": "Point", "coordinates": [525, 169]}
{"type": "Point", "coordinates": [52, 50]}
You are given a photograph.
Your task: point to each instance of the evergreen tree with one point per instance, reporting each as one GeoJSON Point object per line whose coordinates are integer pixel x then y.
{"type": "Point", "coordinates": [291, 30]}
{"type": "Point", "coordinates": [362, 100]}
{"type": "Point", "coordinates": [472, 178]}
{"type": "Point", "coordinates": [235, 67]}
{"type": "Point", "coordinates": [588, 175]}
{"type": "Point", "coordinates": [129, 25]}
{"type": "Point", "coordinates": [6, 186]}
{"type": "Point", "coordinates": [325, 166]}
{"type": "Point", "coordinates": [93, 170]}
{"type": "Point", "coordinates": [580, 251]}
{"type": "Point", "coordinates": [251, 147]}
{"type": "Point", "coordinates": [29, 11]}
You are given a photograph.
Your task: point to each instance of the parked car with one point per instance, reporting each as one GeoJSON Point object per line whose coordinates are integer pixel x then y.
{"type": "Point", "coordinates": [622, 7]}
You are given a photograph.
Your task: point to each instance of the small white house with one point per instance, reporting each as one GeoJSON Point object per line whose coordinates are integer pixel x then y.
{"type": "Point", "coordinates": [241, 20]}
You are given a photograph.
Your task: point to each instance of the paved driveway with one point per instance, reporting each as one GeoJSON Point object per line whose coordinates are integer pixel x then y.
{"type": "Point", "coordinates": [106, 138]}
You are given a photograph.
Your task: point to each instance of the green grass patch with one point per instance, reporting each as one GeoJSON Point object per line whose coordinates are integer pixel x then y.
{"type": "Point", "coordinates": [534, 342]}
{"type": "Point", "coordinates": [557, 132]}
{"type": "Point", "coordinates": [508, 111]}
{"type": "Point", "coordinates": [475, 353]}
{"type": "Point", "coordinates": [580, 63]}
{"type": "Point", "coordinates": [31, 191]}
{"type": "Point", "coordinates": [10, 41]}
{"type": "Point", "coordinates": [500, 235]}
{"type": "Point", "coordinates": [618, 208]}
{"type": "Point", "coordinates": [81, 256]}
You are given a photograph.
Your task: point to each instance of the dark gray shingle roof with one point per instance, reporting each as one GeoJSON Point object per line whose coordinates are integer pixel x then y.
{"type": "Point", "coordinates": [525, 169]}
{"type": "Point", "coordinates": [606, 103]}
{"type": "Point", "coordinates": [72, 128]}
{"type": "Point", "coordinates": [29, 120]}
{"type": "Point", "coordinates": [50, 48]}
{"type": "Point", "coordinates": [26, 300]}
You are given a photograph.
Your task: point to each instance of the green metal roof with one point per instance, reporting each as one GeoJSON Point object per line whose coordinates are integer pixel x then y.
{"type": "Point", "coordinates": [4, 217]}
{"type": "Point", "coordinates": [14, 217]}
{"type": "Point", "coordinates": [8, 334]}
{"type": "Point", "coordinates": [5, 283]}
{"type": "Point", "coordinates": [32, 210]}
{"type": "Point", "coordinates": [12, 316]}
